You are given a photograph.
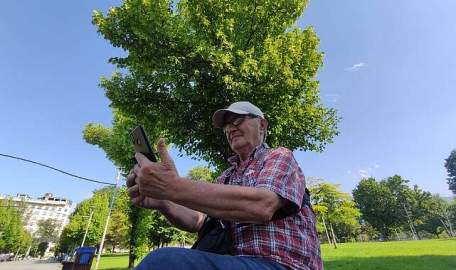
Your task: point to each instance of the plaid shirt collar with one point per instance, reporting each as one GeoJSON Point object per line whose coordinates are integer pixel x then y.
{"type": "Point", "coordinates": [258, 151]}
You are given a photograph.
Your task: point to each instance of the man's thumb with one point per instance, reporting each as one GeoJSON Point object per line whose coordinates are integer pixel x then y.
{"type": "Point", "coordinates": [163, 152]}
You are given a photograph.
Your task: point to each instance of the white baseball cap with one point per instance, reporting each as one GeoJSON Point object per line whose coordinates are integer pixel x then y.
{"type": "Point", "coordinates": [241, 107]}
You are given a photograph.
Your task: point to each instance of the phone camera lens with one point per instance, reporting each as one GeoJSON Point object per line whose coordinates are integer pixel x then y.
{"type": "Point", "coordinates": [138, 142]}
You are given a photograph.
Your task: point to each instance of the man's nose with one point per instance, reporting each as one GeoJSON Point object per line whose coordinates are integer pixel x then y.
{"type": "Point", "coordinates": [229, 128]}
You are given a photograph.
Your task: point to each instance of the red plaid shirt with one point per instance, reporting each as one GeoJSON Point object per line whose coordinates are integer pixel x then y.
{"type": "Point", "coordinates": [292, 241]}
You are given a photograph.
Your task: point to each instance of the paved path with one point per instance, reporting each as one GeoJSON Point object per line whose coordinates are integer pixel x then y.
{"type": "Point", "coordinates": [30, 265]}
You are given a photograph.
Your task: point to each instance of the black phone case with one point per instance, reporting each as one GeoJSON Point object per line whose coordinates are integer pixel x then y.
{"type": "Point", "coordinates": [141, 143]}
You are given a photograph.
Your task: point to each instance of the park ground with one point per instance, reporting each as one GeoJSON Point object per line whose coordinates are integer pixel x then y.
{"type": "Point", "coordinates": [439, 254]}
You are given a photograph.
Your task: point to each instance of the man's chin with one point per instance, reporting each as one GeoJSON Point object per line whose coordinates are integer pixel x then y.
{"type": "Point", "coordinates": [236, 143]}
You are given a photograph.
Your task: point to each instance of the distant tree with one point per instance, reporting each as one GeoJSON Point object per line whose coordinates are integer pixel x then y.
{"type": "Point", "coordinates": [413, 202]}
{"type": "Point", "coordinates": [336, 211]}
{"type": "Point", "coordinates": [48, 230]}
{"type": "Point", "coordinates": [201, 173]}
{"type": "Point", "coordinates": [379, 205]}
{"type": "Point", "coordinates": [12, 232]}
{"type": "Point", "coordinates": [452, 211]}
{"type": "Point", "coordinates": [42, 247]}
{"type": "Point", "coordinates": [450, 165]}
{"type": "Point", "coordinates": [118, 232]}
{"type": "Point", "coordinates": [367, 229]}
{"type": "Point", "coordinates": [119, 225]}
{"type": "Point", "coordinates": [73, 233]}
{"type": "Point", "coordinates": [440, 209]}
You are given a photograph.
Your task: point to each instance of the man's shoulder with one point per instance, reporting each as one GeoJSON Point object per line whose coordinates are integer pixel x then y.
{"type": "Point", "coordinates": [279, 151]}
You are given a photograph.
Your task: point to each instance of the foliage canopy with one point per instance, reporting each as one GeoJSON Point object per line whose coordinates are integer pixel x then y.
{"type": "Point", "coordinates": [184, 63]}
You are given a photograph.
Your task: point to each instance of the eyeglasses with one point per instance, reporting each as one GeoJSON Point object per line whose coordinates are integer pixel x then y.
{"type": "Point", "coordinates": [238, 119]}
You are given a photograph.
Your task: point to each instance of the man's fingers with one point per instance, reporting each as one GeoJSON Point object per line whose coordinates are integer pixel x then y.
{"type": "Point", "coordinates": [138, 200]}
{"type": "Point", "coordinates": [163, 152]}
{"type": "Point", "coordinates": [142, 159]}
{"type": "Point", "coordinates": [136, 170]}
{"type": "Point", "coordinates": [133, 192]}
{"type": "Point", "coordinates": [131, 179]}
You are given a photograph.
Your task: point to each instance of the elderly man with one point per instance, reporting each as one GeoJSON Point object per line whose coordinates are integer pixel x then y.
{"type": "Point", "coordinates": [272, 223]}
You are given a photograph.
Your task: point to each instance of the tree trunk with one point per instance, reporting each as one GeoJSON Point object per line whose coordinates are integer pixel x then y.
{"type": "Point", "coordinates": [326, 230]}
{"type": "Point", "coordinates": [449, 224]}
{"type": "Point", "coordinates": [385, 234]}
{"type": "Point", "coordinates": [131, 260]}
{"type": "Point", "coordinates": [333, 235]}
{"type": "Point", "coordinates": [445, 226]}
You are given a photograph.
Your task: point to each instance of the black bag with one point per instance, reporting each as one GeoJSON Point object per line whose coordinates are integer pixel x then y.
{"type": "Point", "coordinates": [214, 236]}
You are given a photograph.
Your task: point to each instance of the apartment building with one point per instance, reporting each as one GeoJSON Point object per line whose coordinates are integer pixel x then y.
{"type": "Point", "coordinates": [46, 207]}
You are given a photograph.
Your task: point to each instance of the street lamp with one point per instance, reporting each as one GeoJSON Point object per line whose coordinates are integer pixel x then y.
{"type": "Point", "coordinates": [88, 224]}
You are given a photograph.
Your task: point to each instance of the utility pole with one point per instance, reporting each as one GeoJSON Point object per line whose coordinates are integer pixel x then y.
{"type": "Point", "coordinates": [107, 220]}
{"type": "Point", "coordinates": [87, 227]}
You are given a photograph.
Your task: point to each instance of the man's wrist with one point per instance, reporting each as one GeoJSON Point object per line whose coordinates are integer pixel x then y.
{"type": "Point", "coordinates": [166, 207]}
{"type": "Point", "coordinates": [176, 188]}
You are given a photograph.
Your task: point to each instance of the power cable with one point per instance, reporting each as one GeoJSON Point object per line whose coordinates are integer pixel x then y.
{"type": "Point", "coordinates": [55, 169]}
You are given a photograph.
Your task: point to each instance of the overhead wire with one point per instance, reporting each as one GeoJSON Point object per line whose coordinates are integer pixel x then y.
{"type": "Point", "coordinates": [55, 169]}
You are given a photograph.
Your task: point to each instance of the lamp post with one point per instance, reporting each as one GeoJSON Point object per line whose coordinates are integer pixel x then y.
{"type": "Point", "coordinates": [88, 224]}
{"type": "Point", "coordinates": [107, 220]}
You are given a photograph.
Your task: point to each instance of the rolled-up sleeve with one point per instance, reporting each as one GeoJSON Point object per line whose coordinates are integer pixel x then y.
{"type": "Point", "coordinates": [281, 174]}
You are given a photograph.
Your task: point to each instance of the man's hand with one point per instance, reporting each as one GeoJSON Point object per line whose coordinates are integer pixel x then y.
{"type": "Point", "coordinates": [141, 200]}
{"type": "Point", "coordinates": [155, 180]}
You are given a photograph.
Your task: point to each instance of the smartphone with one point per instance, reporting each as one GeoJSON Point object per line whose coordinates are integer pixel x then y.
{"type": "Point", "coordinates": [141, 143]}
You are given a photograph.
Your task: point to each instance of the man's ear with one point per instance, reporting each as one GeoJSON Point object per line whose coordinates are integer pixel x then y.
{"type": "Point", "coordinates": [263, 124]}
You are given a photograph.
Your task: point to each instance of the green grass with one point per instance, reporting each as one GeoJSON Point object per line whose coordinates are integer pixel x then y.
{"type": "Point", "coordinates": [116, 261]}
{"type": "Point", "coordinates": [439, 254]}
{"type": "Point", "coordinates": [424, 254]}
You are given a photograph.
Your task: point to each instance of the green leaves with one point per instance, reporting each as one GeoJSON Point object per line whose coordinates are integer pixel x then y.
{"type": "Point", "coordinates": [12, 233]}
{"type": "Point", "coordinates": [48, 230]}
{"type": "Point", "coordinates": [182, 66]}
{"type": "Point", "coordinates": [334, 207]}
{"type": "Point", "coordinates": [450, 165]}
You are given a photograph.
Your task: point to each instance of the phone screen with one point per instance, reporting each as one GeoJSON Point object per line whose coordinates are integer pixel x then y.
{"type": "Point", "coordinates": [141, 143]}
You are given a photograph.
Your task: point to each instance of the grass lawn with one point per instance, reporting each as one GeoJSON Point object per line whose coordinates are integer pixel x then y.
{"type": "Point", "coordinates": [436, 254]}
{"type": "Point", "coordinates": [116, 261]}
{"type": "Point", "coordinates": [439, 254]}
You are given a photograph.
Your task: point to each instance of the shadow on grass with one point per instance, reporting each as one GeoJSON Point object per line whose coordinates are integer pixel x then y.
{"type": "Point", "coordinates": [400, 262]}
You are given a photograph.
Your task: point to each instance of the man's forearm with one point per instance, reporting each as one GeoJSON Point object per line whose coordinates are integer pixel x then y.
{"type": "Point", "coordinates": [233, 203]}
{"type": "Point", "coordinates": [182, 217]}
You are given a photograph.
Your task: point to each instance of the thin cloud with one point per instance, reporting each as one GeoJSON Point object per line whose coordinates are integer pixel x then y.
{"type": "Point", "coordinates": [355, 67]}
{"type": "Point", "coordinates": [331, 97]}
{"type": "Point", "coordinates": [364, 173]}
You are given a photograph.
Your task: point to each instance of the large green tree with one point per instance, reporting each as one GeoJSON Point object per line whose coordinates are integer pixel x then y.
{"type": "Point", "coordinates": [183, 62]}
{"type": "Point", "coordinates": [450, 165]}
{"type": "Point", "coordinates": [379, 205]}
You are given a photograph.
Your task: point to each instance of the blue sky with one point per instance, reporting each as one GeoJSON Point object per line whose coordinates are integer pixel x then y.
{"type": "Point", "coordinates": [389, 70]}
